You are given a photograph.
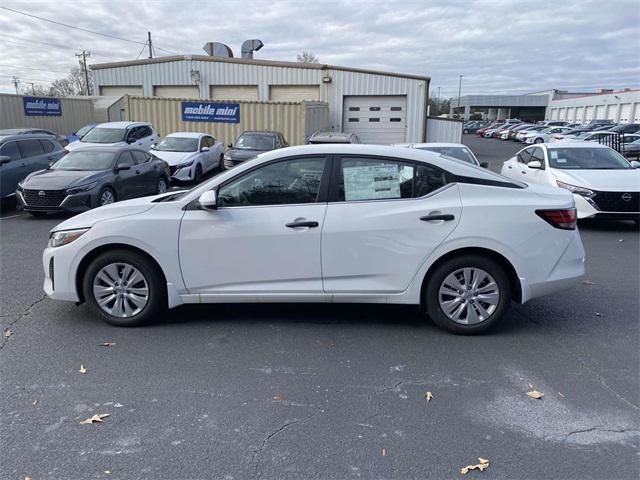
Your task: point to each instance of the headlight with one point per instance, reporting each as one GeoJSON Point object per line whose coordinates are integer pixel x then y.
{"type": "Point", "coordinates": [63, 237]}
{"type": "Point", "coordinates": [184, 165]}
{"type": "Point", "coordinates": [227, 156]}
{"type": "Point", "coordinates": [585, 192]}
{"type": "Point", "coordinates": [82, 188]}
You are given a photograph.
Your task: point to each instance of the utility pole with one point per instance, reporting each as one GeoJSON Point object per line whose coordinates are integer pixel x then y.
{"type": "Point", "coordinates": [33, 87]}
{"type": "Point", "coordinates": [438, 102]}
{"type": "Point", "coordinates": [16, 83]}
{"type": "Point", "coordinates": [83, 64]}
{"type": "Point", "coordinates": [459, 90]}
{"type": "Point", "coordinates": [149, 42]}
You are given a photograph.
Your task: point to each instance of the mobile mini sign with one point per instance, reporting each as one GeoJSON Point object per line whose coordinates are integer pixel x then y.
{"type": "Point", "coordinates": [210, 112]}
{"type": "Point", "coordinates": [38, 106]}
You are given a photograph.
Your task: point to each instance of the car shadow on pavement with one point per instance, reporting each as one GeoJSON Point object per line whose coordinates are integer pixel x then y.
{"type": "Point", "coordinates": [596, 224]}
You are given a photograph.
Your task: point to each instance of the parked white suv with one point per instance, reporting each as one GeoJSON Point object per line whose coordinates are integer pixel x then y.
{"type": "Point", "coordinates": [114, 134]}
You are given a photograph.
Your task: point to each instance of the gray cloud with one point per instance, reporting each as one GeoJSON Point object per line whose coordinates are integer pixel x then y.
{"type": "Point", "coordinates": [499, 46]}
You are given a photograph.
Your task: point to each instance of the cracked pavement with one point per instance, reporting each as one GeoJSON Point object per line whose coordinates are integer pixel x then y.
{"type": "Point", "coordinates": [318, 391]}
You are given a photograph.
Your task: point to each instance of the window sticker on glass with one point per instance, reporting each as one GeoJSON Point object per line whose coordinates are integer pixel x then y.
{"type": "Point", "coordinates": [371, 182]}
{"type": "Point", "coordinates": [554, 154]}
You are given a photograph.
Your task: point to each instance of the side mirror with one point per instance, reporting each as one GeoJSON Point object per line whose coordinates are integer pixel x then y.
{"type": "Point", "coordinates": [4, 159]}
{"type": "Point", "coordinates": [484, 164]}
{"type": "Point", "coordinates": [634, 163]}
{"type": "Point", "coordinates": [123, 166]}
{"type": "Point", "coordinates": [535, 164]}
{"type": "Point", "coordinates": [208, 200]}
{"type": "Point", "coordinates": [205, 149]}
{"type": "Point", "coordinates": [153, 146]}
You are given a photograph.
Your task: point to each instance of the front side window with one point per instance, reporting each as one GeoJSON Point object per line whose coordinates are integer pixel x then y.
{"type": "Point", "coordinates": [30, 148]}
{"type": "Point", "coordinates": [139, 156]}
{"type": "Point", "coordinates": [374, 179]}
{"type": "Point", "coordinates": [287, 182]}
{"type": "Point", "coordinates": [126, 158]}
{"type": "Point", "coordinates": [10, 149]}
{"type": "Point", "coordinates": [537, 154]}
{"type": "Point", "coordinates": [460, 153]}
{"type": "Point", "coordinates": [524, 156]}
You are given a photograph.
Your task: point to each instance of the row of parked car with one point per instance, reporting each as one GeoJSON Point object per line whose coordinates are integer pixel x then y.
{"type": "Point", "coordinates": [103, 163]}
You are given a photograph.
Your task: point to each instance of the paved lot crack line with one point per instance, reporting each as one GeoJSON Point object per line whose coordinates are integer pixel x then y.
{"type": "Point", "coordinates": [258, 452]}
{"type": "Point", "coordinates": [584, 365]}
{"type": "Point", "coordinates": [599, 429]}
{"type": "Point", "coordinates": [20, 316]}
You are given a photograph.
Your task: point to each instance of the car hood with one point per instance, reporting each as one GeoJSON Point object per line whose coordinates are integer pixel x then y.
{"type": "Point", "coordinates": [608, 180]}
{"type": "Point", "coordinates": [108, 212]}
{"type": "Point", "coordinates": [173, 158]}
{"type": "Point", "coordinates": [61, 179]}
{"type": "Point", "coordinates": [241, 154]}
{"type": "Point", "coordinates": [78, 144]}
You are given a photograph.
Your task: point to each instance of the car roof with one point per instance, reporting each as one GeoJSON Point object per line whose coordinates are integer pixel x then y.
{"type": "Point", "coordinates": [188, 134]}
{"type": "Point", "coordinates": [439, 144]}
{"type": "Point", "coordinates": [572, 144]}
{"type": "Point", "coordinates": [114, 149]}
{"type": "Point", "coordinates": [123, 124]}
{"type": "Point", "coordinates": [331, 135]}
{"type": "Point", "coordinates": [260, 132]}
{"type": "Point", "coordinates": [26, 136]}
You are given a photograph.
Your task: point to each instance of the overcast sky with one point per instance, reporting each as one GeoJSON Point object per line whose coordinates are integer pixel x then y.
{"type": "Point", "coordinates": [499, 46]}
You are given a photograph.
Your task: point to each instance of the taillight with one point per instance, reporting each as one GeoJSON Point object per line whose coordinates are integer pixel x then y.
{"type": "Point", "coordinates": [564, 219]}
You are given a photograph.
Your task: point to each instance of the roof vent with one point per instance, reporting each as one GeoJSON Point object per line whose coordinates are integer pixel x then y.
{"type": "Point", "coordinates": [217, 49]}
{"type": "Point", "coordinates": [250, 46]}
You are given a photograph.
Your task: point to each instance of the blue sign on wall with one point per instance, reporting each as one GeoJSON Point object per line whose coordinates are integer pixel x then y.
{"type": "Point", "coordinates": [42, 106]}
{"type": "Point", "coordinates": [211, 112]}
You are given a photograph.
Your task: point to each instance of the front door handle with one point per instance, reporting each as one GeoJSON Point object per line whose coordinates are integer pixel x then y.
{"type": "Point", "coordinates": [304, 223]}
{"type": "Point", "coordinates": [447, 217]}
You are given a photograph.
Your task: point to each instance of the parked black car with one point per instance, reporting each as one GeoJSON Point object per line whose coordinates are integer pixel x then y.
{"type": "Point", "coordinates": [250, 144]}
{"type": "Point", "coordinates": [91, 177]}
{"type": "Point", "coordinates": [626, 128]}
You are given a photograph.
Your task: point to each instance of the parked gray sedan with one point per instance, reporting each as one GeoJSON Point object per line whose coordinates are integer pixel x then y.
{"type": "Point", "coordinates": [91, 177]}
{"type": "Point", "coordinates": [250, 144]}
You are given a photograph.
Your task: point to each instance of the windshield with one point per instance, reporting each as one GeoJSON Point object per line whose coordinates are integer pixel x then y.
{"type": "Point", "coordinates": [87, 160]}
{"type": "Point", "coordinates": [460, 153]}
{"type": "Point", "coordinates": [177, 144]}
{"type": "Point", "coordinates": [84, 130]}
{"type": "Point", "coordinates": [587, 159]}
{"type": "Point", "coordinates": [105, 135]}
{"type": "Point", "coordinates": [255, 142]}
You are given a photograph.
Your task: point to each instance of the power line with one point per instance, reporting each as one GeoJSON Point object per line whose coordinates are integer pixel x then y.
{"type": "Point", "coordinates": [65, 47]}
{"type": "Point", "coordinates": [20, 67]}
{"type": "Point", "coordinates": [82, 29]}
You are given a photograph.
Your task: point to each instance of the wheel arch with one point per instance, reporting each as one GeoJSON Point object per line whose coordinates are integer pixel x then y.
{"type": "Point", "coordinates": [514, 280]}
{"type": "Point", "coordinates": [91, 255]}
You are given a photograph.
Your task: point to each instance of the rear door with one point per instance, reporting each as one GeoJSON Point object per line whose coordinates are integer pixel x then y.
{"type": "Point", "coordinates": [34, 156]}
{"type": "Point", "coordinates": [384, 218]}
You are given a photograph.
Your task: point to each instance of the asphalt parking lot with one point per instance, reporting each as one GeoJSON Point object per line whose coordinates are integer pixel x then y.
{"type": "Point", "coordinates": [323, 391]}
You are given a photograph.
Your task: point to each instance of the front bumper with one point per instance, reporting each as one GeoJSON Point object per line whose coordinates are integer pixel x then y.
{"type": "Point", "coordinates": [185, 174]}
{"type": "Point", "coordinates": [76, 203]}
{"type": "Point", "coordinates": [59, 274]}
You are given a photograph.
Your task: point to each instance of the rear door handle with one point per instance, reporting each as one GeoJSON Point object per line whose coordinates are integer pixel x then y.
{"type": "Point", "coordinates": [447, 217]}
{"type": "Point", "coordinates": [302, 224]}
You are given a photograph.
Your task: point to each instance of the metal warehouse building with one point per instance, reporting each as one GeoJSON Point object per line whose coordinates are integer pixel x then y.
{"type": "Point", "coordinates": [619, 106]}
{"type": "Point", "coordinates": [380, 107]}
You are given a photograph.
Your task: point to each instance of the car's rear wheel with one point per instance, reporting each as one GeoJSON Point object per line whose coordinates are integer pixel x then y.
{"type": "Point", "coordinates": [125, 288]}
{"type": "Point", "coordinates": [468, 294]}
{"type": "Point", "coordinates": [106, 197]}
{"type": "Point", "coordinates": [539, 140]}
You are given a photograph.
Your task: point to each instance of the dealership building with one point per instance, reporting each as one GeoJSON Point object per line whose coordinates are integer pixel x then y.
{"type": "Point", "coordinates": [380, 107]}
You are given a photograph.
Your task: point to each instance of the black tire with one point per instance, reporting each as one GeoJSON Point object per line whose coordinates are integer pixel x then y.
{"type": "Point", "coordinates": [449, 266]}
{"type": "Point", "coordinates": [539, 140]}
{"type": "Point", "coordinates": [102, 192]}
{"type": "Point", "coordinates": [157, 302]}
{"type": "Point", "coordinates": [38, 214]}
{"type": "Point", "coordinates": [465, 131]}
{"type": "Point", "coordinates": [197, 176]}
{"type": "Point", "coordinates": [221, 166]}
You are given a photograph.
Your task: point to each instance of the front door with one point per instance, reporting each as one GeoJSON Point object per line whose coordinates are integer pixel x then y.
{"type": "Point", "coordinates": [387, 218]}
{"type": "Point", "coordinates": [127, 182]}
{"type": "Point", "coordinates": [264, 237]}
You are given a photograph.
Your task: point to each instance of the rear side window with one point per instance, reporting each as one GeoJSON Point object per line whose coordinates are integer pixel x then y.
{"type": "Point", "coordinates": [10, 149]}
{"type": "Point", "coordinates": [428, 179]}
{"type": "Point", "coordinates": [47, 146]}
{"type": "Point", "coordinates": [374, 179]}
{"type": "Point", "coordinates": [30, 148]}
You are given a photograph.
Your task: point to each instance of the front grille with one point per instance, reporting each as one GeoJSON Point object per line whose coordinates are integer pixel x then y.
{"type": "Point", "coordinates": [614, 201]}
{"type": "Point", "coordinates": [44, 198]}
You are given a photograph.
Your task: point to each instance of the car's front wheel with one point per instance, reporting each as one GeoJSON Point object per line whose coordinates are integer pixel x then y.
{"type": "Point", "coordinates": [125, 288]}
{"type": "Point", "coordinates": [539, 140]}
{"type": "Point", "coordinates": [106, 196]}
{"type": "Point", "coordinates": [468, 294]}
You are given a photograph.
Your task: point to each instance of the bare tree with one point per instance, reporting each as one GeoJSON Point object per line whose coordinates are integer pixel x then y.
{"type": "Point", "coordinates": [307, 57]}
{"type": "Point", "coordinates": [71, 85]}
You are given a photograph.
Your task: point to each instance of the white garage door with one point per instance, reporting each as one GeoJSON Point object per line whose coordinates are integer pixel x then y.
{"type": "Point", "coordinates": [600, 112]}
{"type": "Point", "coordinates": [293, 93]}
{"type": "Point", "coordinates": [625, 113]}
{"type": "Point", "coordinates": [554, 113]}
{"type": "Point", "coordinates": [121, 90]}
{"type": "Point", "coordinates": [376, 119]}
{"type": "Point", "coordinates": [234, 92]}
{"type": "Point", "coordinates": [570, 114]}
{"type": "Point", "coordinates": [579, 114]}
{"type": "Point", "coordinates": [612, 111]}
{"type": "Point", "coordinates": [182, 91]}
{"type": "Point", "coordinates": [588, 113]}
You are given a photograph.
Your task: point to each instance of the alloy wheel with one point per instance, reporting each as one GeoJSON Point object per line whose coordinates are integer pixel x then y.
{"type": "Point", "coordinates": [120, 290]}
{"type": "Point", "coordinates": [469, 296]}
{"type": "Point", "coordinates": [107, 197]}
{"type": "Point", "coordinates": [162, 185]}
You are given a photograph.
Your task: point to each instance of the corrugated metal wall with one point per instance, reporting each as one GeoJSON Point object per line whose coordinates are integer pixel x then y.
{"type": "Point", "coordinates": [166, 116]}
{"type": "Point", "coordinates": [76, 113]}
{"type": "Point", "coordinates": [342, 83]}
{"type": "Point", "coordinates": [444, 130]}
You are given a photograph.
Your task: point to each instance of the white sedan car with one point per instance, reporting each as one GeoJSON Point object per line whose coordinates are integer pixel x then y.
{"type": "Point", "coordinates": [603, 182]}
{"type": "Point", "coordinates": [454, 150]}
{"type": "Point", "coordinates": [325, 223]}
{"type": "Point", "coordinates": [189, 155]}
{"type": "Point", "coordinates": [542, 136]}
{"type": "Point", "coordinates": [115, 134]}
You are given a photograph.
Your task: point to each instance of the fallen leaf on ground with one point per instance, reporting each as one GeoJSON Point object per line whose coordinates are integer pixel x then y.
{"type": "Point", "coordinates": [107, 471]}
{"type": "Point", "coordinates": [588, 282]}
{"type": "Point", "coordinates": [561, 394]}
{"type": "Point", "coordinates": [621, 240]}
{"type": "Point", "coordinates": [384, 452]}
{"type": "Point", "coordinates": [598, 314]}
{"type": "Point", "coordinates": [107, 344]}
{"type": "Point", "coordinates": [34, 402]}
{"type": "Point", "coordinates": [531, 386]}
{"type": "Point", "coordinates": [484, 463]}
{"type": "Point", "coordinates": [97, 418]}
{"type": "Point", "coordinates": [278, 397]}
{"type": "Point", "coordinates": [82, 369]}
{"type": "Point", "coordinates": [535, 394]}
{"type": "Point", "coordinates": [7, 333]}
{"type": "Point", "coordinates": [428, 396]}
